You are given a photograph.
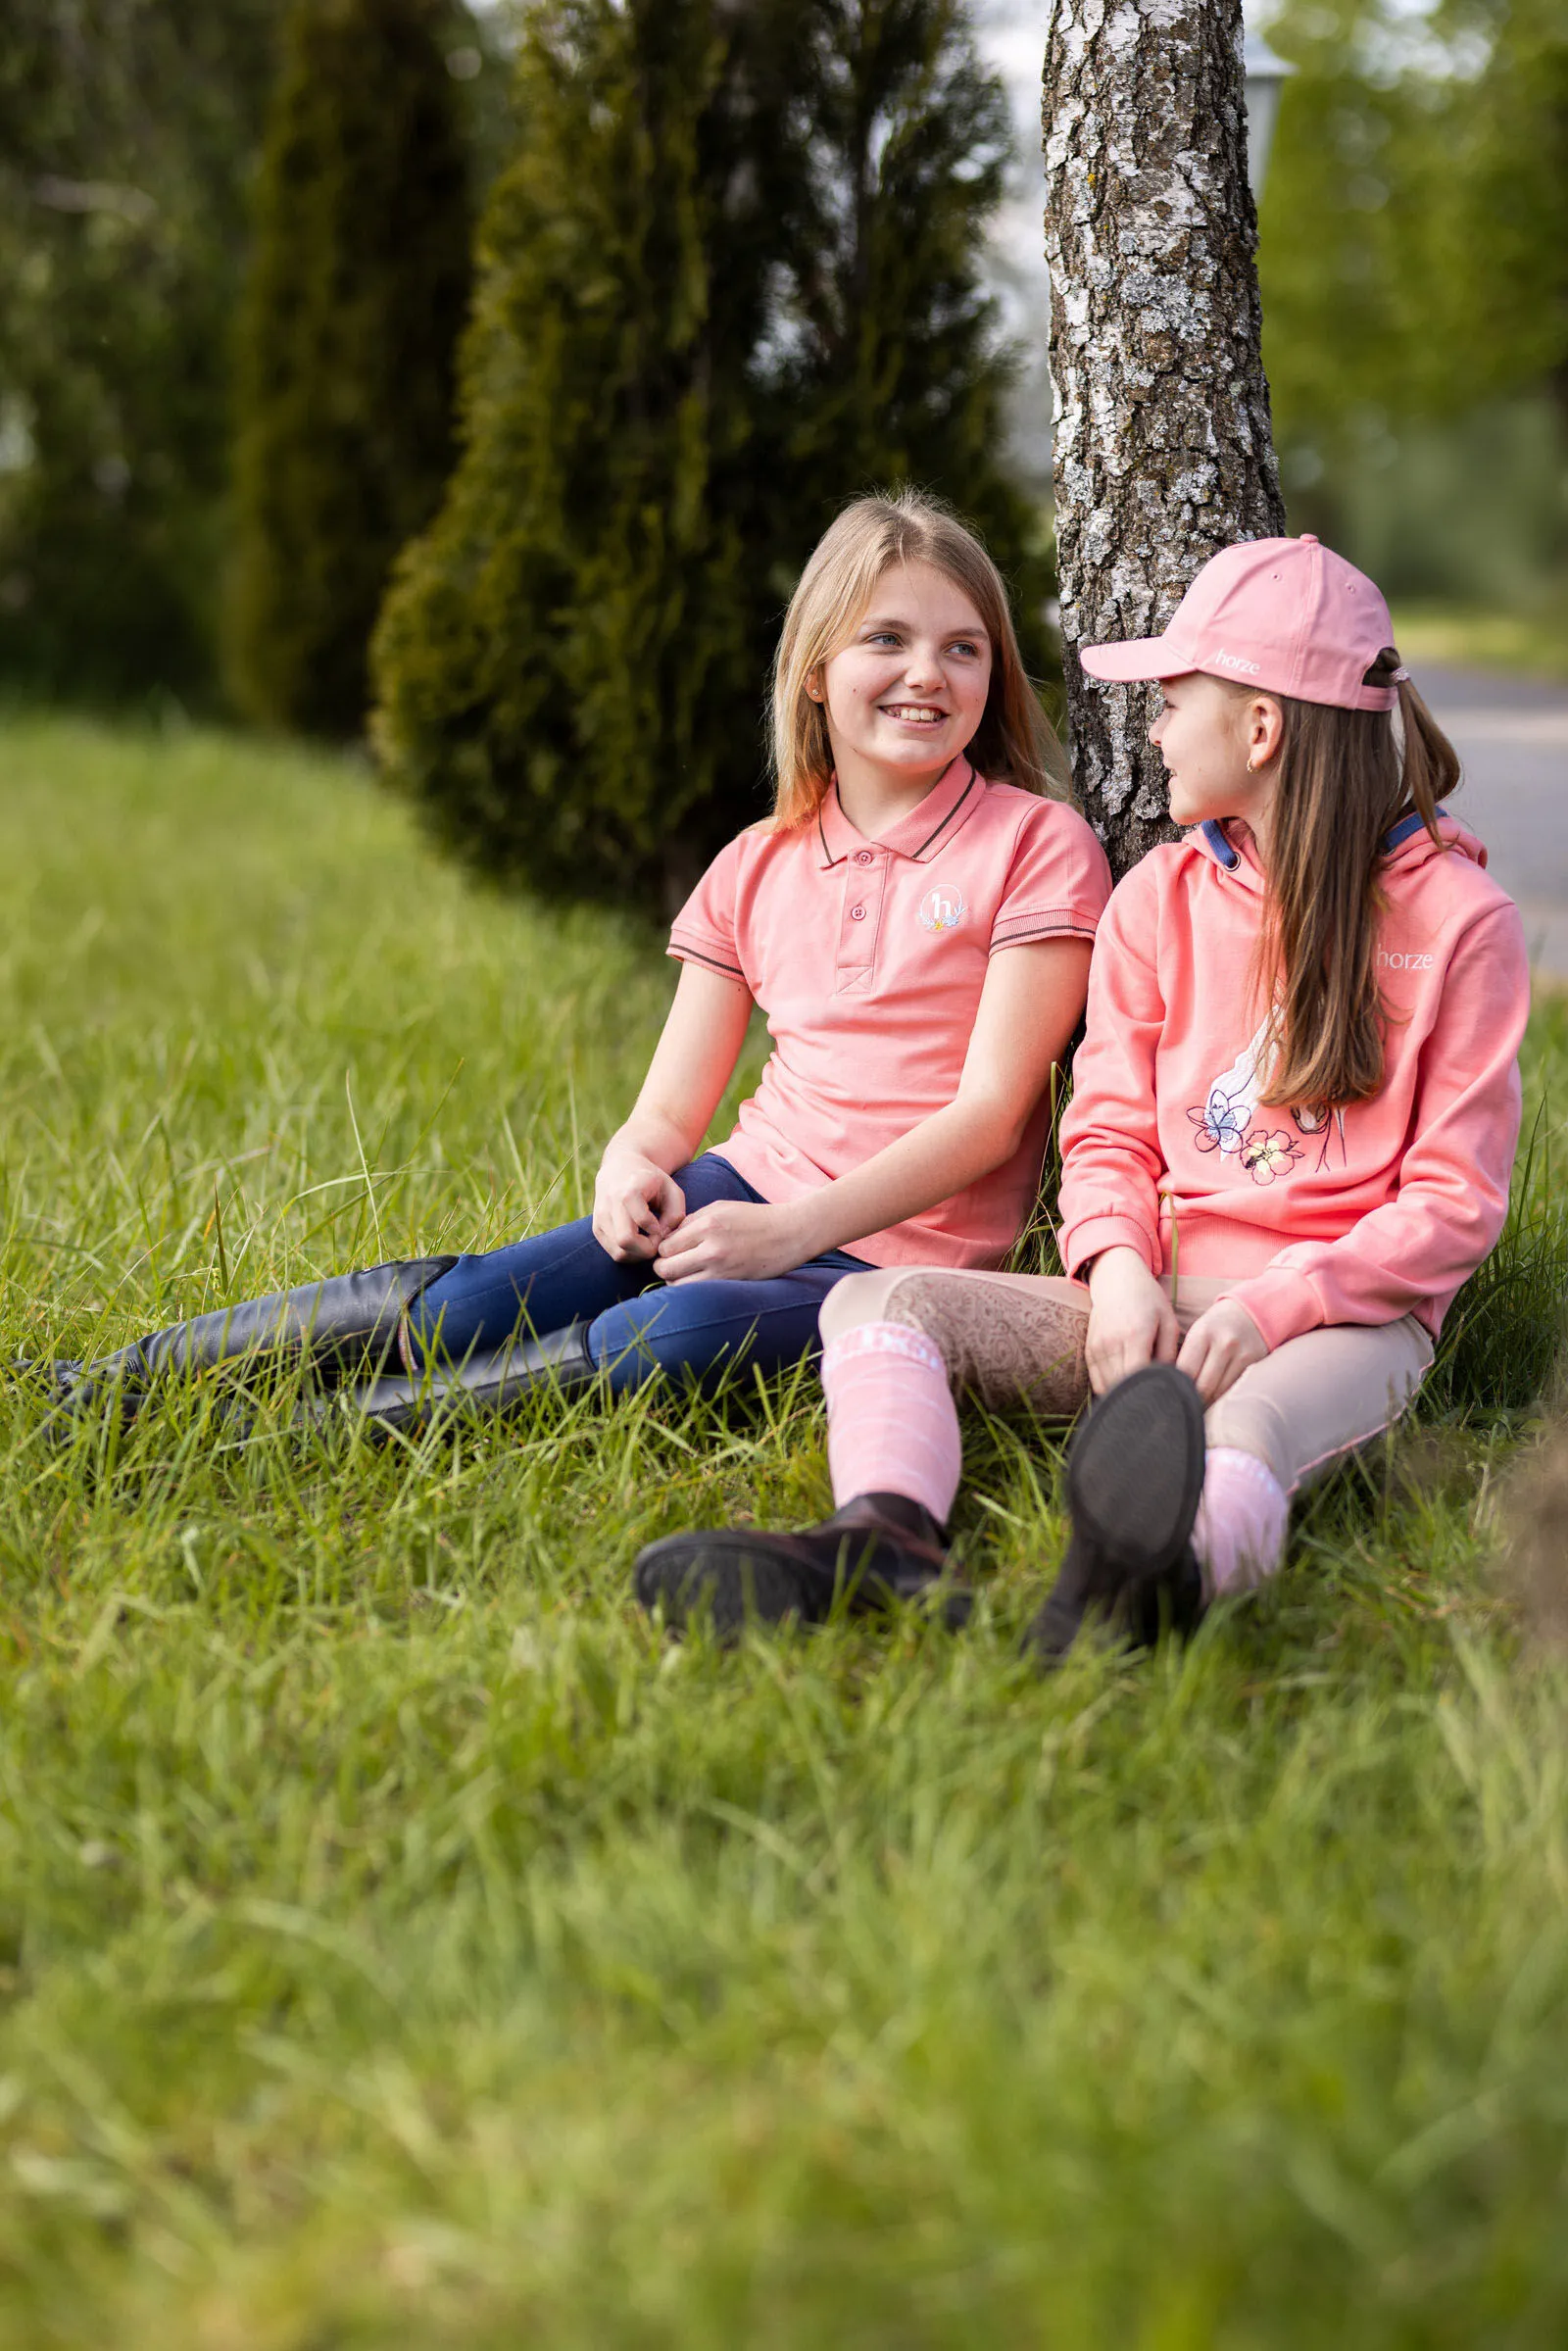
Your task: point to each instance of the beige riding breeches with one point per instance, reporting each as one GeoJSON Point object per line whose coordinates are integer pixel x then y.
{"type": "Point", "coordinates": [1010, 1339]}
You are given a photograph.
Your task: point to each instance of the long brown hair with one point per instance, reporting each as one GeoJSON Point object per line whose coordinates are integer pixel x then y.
{"type": "Point", "coordinates": [1013, 744]}
{"type": "Point", "coordinates": [1346, 776]}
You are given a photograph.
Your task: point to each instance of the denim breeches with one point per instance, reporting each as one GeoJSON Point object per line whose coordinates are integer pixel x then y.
{"type": "Point", "coordinates": [639, 1326]}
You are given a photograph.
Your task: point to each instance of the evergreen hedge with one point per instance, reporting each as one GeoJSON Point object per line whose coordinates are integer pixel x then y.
{"type": "Point", "coordinates": [356, 298]}
{"type": "Point", "coordinates": [128, 130]}
{"type": "Point", "coordinates": [729, 279]}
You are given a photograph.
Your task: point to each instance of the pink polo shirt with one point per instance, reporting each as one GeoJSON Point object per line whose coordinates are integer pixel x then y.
{"type": "Point", "coordinates": [868, 959]}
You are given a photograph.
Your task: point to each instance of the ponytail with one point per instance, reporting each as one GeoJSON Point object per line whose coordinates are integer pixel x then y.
{"type": "Point", "coordinates": [1346, 777]}
{"type": "Point", "coordinates": [1431, 763]}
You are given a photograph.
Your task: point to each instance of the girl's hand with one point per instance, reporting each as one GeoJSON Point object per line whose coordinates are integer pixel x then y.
{"type": "Point", "coordinates": [636, 1205]}
{"type": "Point", "coordinates": [731, 1241]}
{"type": "Point", "coordinates": [1131, 1320]}
{"type": "Point", "coordinates": [1219, 1347]}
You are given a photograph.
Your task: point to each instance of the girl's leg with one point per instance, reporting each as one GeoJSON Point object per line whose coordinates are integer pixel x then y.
{"type": "Point", "coordinates": [1286, 1422]}
{"type": "Point", "coordinates": [545, 1282]}
{"type": "Point", "coordinates": [899, 1342]}
{"type": "Point", "coordinates": [699, 1330]}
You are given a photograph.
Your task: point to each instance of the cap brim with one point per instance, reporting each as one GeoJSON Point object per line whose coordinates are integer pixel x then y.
{"type": "Point", "coordinates": [1137, 659]}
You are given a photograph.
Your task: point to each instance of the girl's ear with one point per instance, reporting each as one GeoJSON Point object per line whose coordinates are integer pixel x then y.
{"type": "Point", "coordinates": [1265, 731]}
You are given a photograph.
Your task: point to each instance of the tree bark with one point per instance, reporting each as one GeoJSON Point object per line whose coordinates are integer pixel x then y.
{"type": "Point", "coordinates": [1164, 451]}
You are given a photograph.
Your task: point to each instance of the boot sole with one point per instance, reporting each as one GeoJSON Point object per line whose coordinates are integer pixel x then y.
{"type": "Point", "coordinates": [1135, 1477]}
{"type": "Point", "coordinates": [1134, 1474]}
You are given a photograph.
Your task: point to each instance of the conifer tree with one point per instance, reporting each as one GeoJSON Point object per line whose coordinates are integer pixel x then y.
{"type": "Point", "coordinates": [356, 296]}
{"type": "Point", "coordinates": [729, 280]}
{"type": "Point", "coordinates": [899, 146]}
{"type": "Point", "coordinates": [569, 660]}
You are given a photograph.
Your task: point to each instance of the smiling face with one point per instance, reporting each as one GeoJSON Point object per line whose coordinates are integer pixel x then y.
{"type": "Point", "coordinates": [908, 692]}
{"type": "Point", "coordinates": [1206, 733]}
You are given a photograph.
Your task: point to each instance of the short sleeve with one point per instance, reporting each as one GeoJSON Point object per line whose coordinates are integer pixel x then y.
{"type": "Point", "coordinates": [1058, 883]}
{"type": "Point", "coordinates": [703, 931]}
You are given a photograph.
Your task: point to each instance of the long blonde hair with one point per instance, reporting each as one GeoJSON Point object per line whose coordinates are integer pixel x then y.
{"type": "Point", "coordinates": [1015, 742]}
{"type": "Point", "coordinates": [1344, 779]}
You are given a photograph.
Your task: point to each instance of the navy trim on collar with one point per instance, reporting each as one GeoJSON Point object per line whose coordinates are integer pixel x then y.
{"type": "Point", "coordinates": [1213, 832]}
{"type": "Point", "coordinates": [1406, 827]}
{"type": "Point", "coordinates": [947, 818]}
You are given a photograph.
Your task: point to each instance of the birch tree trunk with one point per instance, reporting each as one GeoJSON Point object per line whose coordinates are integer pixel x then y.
{"type": "Point", "coordinates": [1163, 452]}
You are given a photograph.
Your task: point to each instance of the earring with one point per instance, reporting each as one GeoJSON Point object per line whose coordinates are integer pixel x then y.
{"type": "Point", "coordinates": [1251, 766]}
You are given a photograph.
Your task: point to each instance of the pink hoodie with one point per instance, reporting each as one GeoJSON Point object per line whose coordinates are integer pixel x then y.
{"type": "Point", "coordinates": [1376, 1211]}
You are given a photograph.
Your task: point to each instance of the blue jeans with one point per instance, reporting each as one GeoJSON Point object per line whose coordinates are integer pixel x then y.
{"type": "Point", "coordinates": [638, 1326]}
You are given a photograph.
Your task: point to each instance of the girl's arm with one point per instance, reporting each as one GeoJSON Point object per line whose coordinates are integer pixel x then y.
{"type": "Point", "coordinates": [1112, 1162]}
{"type": "Point", "coordinates": [1029, 1007]}
{"type": "Point", "coordinates": [636, 1201]}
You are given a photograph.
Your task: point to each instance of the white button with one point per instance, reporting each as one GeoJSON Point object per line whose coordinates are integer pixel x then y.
{"type": "Point", "coordinates": [857, 914]}
{"type": "Point", "coordinates": [862, 856]}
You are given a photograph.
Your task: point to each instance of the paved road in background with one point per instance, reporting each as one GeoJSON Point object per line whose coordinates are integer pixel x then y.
{"type": "Point", "coordinates": [1512, 736]}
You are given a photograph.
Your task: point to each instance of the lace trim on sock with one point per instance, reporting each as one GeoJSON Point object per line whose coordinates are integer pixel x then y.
{"type": "Point", "coordinates": [886, 1339]}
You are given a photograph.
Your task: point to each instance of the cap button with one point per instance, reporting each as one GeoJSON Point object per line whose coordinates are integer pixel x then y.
{"type": "Point", "coordinates": [1309, 538]}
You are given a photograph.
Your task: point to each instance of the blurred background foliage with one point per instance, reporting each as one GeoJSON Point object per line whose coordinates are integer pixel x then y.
{"type": "Point", "coordinates": [344, 370]}
{"type": "Point", "coordinates": [130, 133]}
{"type": "Point", "coordinates": [1414, 259]}
{"type": "Point", "coordinates": [126, 129]}
{"type": "Point", "coordinates": [1416, 270]}
{"type": "Point", "coordinates": [732, 276]}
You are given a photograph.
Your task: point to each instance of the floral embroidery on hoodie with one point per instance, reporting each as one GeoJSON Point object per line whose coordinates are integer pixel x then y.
{"type": "Point", "coordinates": [1224, 1120]}
{"type": "Point", "coordinates": [1265, 1156]}
{"type": "Point", "coordinates": [1328, 1124]}
{"type": "Point", "coordinates": [1220, 1128]}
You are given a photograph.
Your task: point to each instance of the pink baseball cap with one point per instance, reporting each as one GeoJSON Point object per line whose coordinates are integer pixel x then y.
{"type": "Point", "coordinates": [1287, 614]}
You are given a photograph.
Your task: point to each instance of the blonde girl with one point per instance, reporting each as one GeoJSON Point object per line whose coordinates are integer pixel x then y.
{"type": "Point", "coordinates": [915, 919]}
{"type": "Point", "coordinates": [1290, 1141]}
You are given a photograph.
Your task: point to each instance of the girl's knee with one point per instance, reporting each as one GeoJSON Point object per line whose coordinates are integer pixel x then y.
{"type": "Point", "coordinates": [860, 1297]}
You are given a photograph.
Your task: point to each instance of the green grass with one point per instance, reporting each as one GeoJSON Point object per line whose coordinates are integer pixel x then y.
{"type": "Point", "coordinates": [399, 1945]}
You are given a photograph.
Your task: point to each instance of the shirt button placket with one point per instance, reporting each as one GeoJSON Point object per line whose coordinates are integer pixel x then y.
{"type": "Point", "coordinates": [864, 883]}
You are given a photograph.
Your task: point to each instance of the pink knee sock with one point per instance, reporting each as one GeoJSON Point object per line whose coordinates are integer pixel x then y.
{"type": "Point", "coordinates": [1238, 1533]}
{"type": "Point", "coordinates": [892, 1427]}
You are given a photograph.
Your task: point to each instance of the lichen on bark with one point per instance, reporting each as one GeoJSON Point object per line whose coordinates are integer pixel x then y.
{"type": "Point", "coordinates": [1164, 451]}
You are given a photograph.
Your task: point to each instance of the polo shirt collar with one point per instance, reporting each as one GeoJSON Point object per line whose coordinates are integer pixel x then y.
{"type": "Point", "coordinates": [927, 828]}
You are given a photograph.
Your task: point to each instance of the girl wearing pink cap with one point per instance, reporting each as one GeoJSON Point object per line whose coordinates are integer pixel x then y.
{"type": "Point", "coordinates": [1292, 1126]}
{"type": "Point", "coordinates": [914, 920]}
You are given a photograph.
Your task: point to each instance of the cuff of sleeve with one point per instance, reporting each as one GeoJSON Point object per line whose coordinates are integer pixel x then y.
{"type": "Point", "coordinates": [1081, 1242]}
{"type": "Point", "coordinates": [1053, 922]}
{"type": "Point", "coordinates": [688, 947]}
{"type": "Point", "coordinates": [1281, 1302]}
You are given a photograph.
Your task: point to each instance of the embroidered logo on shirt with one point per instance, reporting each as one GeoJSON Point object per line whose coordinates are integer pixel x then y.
{"type": "Point", "coordinates": [943, 909]}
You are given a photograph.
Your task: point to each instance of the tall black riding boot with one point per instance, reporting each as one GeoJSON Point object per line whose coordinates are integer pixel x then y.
{"type": "Point", "coordinates": [485, 1386]}
{"type": "Point", "coordinates": [346, 1325]}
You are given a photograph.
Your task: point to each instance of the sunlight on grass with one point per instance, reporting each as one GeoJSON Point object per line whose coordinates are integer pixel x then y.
{"type": "Point", "coordinates": [401, 1945]}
